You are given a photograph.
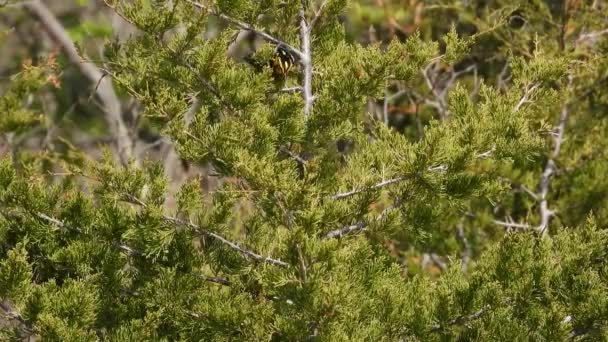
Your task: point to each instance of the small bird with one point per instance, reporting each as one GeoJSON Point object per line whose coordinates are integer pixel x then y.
{"type": "Point", "coordinates": [280, 64]}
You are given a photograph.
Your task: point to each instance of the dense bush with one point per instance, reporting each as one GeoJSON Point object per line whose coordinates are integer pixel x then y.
{"type": "Point", "coordinates": [423, 171]}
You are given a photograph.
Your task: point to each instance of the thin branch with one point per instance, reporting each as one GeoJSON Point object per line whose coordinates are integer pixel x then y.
{"type": "Point", "coordinates": [462, 319]}
{"type": "Point", "coordinates": [292, 89]}
{"type": "Point", "coordinates": [373, 187]}
{"type": "Point", "coordinates": [213, 235]}
{"type": "Point", "coordinates": [512, 224]}
{"type": "Point", "coordinates": [526, 97]}
{"type": "Point", "coordinates": [502, 78]}
{"type": "Point", "coordinates": [529, 192]}
{"type": "Point", "coordinates": [318, 15]}
{"type": "Point", "coordinates": [440, 102]}
{"type": "Point", "coordinates": [438, 168]}
{"type": "Point", "coordinates": [301, 161]}
{"type": "Point", "coordinates": [338, 233]}
{"type": "Point", "coordinates": [436, 259]}
{"type": "Point", "coordinates": [486, 154]}
{"type": "Point", "coordinates": [245, 26]}
{"type": "Point", "coordinates": [306, 61]}
{"type": "Point", "coordinates": [545, 180]}
{"type": "Point", "coordinates": [104, 89]}
{"type": "Point", "coordinates": [227, 242]}
{"type": "Point", "coordinates": [120, 245]}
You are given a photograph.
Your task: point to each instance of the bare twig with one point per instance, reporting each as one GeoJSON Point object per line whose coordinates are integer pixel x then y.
{"type": "Point", "coordinates": [439, 91]}
{"type": "Point", "coordinates": [436, 259]}
{"type": "Point", "coordinates": [502, 78]}
{"type": "Point", "coordinates": [526, 97]}
{"type": "Point", "coordinates": [545, 213]}
{"type": "Point", "coordinates": [486, 154]}
{"type": "Point", "coordinates": [118, 244]}
{"type": "Point", "coordinates": [105, 91]}
{"type": "Point", "coordinates": [529, 192]}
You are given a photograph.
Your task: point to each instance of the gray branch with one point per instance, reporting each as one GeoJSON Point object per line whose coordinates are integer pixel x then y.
{"type": "Point", "coordinates": [373, 187]}
{"type": "Point", "coordinates": [550, 168]}
{"type": "Point", "coordinates": [526, 97]}
{"type": "Point", "coordinates": [103, 85]}
{"type": "Point", "coordinates": [306, 61]}
{"type": "Point", "coordinates": [205, 232]}
{"type": "Point", "coordinates": [226, 242]}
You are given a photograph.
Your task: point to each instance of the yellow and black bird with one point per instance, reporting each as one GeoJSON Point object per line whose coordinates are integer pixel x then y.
{"type": "Point", "coordinates": [280, 64]}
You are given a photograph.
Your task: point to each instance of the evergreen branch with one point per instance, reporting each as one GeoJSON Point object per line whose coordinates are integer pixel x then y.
{"type": "Point", "coordinates": [104, 89]}
{"type": "Point", "coordinates": [118, 244]}
{"type": "Point", "coordinates": [205, 232]}
{"type": "Point", "coordinates": [245, 26]}
{"type": "Point", "coordinates": [121, 246]}
{"type": "Point", "coordinates": [438, 168]}
{"type": "Point", "coordinates": [306, 61]}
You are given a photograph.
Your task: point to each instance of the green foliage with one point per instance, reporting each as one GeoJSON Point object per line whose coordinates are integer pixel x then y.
{"type": "Point", "coordinates": [342, 225]}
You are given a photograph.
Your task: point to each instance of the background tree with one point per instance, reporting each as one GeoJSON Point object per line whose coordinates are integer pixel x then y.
{"type": "Point", "coordinates": [408, 178]}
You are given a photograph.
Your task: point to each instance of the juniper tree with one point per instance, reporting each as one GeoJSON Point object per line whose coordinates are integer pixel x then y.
{"type": "Point", "coordinates": [325, 205]}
